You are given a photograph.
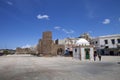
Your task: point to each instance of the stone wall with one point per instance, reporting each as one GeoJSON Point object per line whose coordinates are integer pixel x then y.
{"type": "Point", "coordinates": [58, 49]}
{"type": "Point", "coordinates": [24, 51]}
{"type": "Point", "coordinates": [46, 46]}
{"type": "Point", "coordinates": [47, 35]}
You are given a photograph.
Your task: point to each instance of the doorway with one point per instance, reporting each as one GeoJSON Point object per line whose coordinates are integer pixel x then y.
{"type": "Point", "coordinates": [87, 53]}
{"type": "Point", "coordinates": [60, 51]}
{"type": "Point", "coordinates": [112, 53]}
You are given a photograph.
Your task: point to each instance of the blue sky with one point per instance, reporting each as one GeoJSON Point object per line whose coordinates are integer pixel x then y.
{"type": "Point", "coordinates": [23, 21]}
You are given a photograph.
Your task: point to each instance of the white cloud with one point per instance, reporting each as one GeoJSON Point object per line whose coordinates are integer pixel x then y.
{"type": "Point", "coordinates": [106, 21]}
{"type": "Point", "coordinates": [42, 16]}
{"type": "Point", "coordinates": [68, 31]}
{"type": "Point", "coordinates": [64, 30]}
{"type": "Point", "coordinates": [9, 3]}
{"type": "Point", "coordinates": [26, 46]}
{"type": "Point", "coordinates": [57, 28]}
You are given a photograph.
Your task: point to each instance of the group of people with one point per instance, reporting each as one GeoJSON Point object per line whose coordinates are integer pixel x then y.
{"type": "Point", "coordinates": [97, 54]}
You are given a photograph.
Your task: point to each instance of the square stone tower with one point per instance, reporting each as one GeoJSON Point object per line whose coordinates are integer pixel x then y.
{"type": "Point", "coordinates": [47, 35]}
{"type": "Point", "coordinates": [46, 46]}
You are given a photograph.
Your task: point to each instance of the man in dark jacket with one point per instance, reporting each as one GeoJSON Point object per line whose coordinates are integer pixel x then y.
{"type": "Point", "coordinates": [99, 56]}
{"type": "Point", "coordinates": [95, 54]}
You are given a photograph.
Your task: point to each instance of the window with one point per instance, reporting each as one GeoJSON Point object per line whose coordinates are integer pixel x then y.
{"type": "Point", "coordinates": [106, 41]}
{"type": "Point", "coordinates": [113, 41]}
{"type": "Point", "coordinates": [118, 40]}
{"type": "Point", "coordinates": [102, 45]}
{"type": "Point", "coordinates": [96, 42]}
{"type": "Point", "coordinates": [106, 47]}
{"type": "Point", "coordinates": [75, 50]}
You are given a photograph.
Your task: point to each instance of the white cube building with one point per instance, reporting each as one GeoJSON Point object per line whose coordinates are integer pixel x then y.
{"type": "Point", "coordinates": [83, 50]}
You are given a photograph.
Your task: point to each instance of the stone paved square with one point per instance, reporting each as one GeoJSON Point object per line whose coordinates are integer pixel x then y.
{"type": "Point", "coordinates": [27, 67]}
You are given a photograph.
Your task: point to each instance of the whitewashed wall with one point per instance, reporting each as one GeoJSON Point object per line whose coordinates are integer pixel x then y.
{"type": "Point", "coordinates": [76, 54]}
{"type": "Point", "coordinates": [91, 54]}
{"type": "Point", "coordinates": [82, 54]}
{"type": "Point", "coordinates": [101, 44]}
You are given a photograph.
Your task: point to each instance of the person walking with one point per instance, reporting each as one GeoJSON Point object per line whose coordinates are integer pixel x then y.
{"type": "Point", "coordinates": [95, 55]}
{"type": "Point", "coordinates": [99, 56]}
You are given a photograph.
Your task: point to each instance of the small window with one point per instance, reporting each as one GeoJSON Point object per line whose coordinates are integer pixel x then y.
{"type": "Point", "coordinates": [75, 50]}
{"type": "Point", "coordinates": [96, 42]}
{"type": "Point", "coordinates": [106, 41]}
{"type": "Point", "coordinates": [106, 47]}
{"type": "Point", "coordinates": [102, 45]}
{"type": "Point", "coordinates": [118, 40]}
{"type": "Point", "coordinates": [113, 41]}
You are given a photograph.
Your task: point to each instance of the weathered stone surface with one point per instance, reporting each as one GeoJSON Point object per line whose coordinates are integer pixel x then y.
{"type": "Point", "coordinates": [46, 46]}
{"type": "Point", "coordinates": [25, 51]}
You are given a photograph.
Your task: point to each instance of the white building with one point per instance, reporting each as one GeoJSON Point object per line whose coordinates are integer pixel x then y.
{"type": "Point", "coordinates": [83, 50]}
{"type": "Point", "coordinates": [80, 48]}
{"type": "Point", "coordinates": [68, 42]}
{"type": "Point", "coordinates": [108, 45]}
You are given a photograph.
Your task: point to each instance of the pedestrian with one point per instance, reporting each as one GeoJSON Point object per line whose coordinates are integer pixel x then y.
{"type": "Point", "coordinates": [99, 56]}
{"type": "Point", "coordinates": [118, 53]}
{"type": "Point", "coordinates": [95, 55]}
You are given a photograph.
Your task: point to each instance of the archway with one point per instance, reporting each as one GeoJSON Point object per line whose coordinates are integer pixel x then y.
{"type": "Point", "coordinates": [59, 51]}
